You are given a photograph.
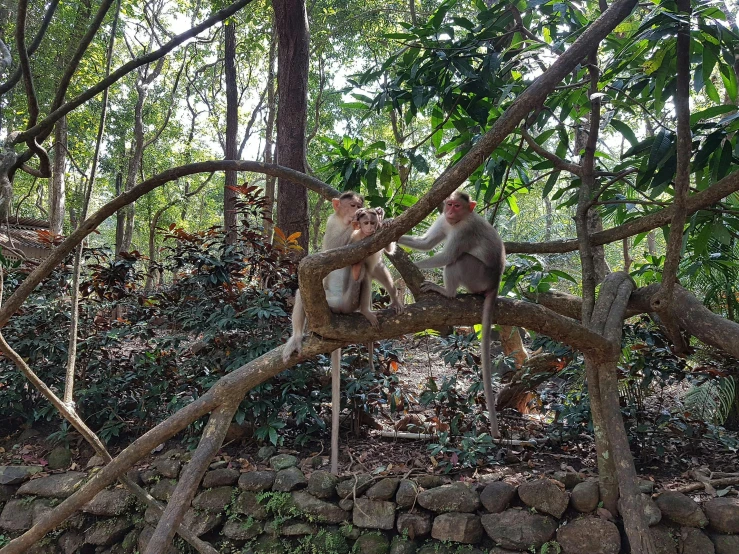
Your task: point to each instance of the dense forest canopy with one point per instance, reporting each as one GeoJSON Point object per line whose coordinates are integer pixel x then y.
{"type": "Point", "coordinates": [191, 149]}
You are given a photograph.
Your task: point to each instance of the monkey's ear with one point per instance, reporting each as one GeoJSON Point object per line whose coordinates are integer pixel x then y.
{"type": "Point", "coordinates": [336, 202]}
{"type": "Point", "coordinates": [355, 224]}
{"type": "Point", "coordinates": [472, 205]}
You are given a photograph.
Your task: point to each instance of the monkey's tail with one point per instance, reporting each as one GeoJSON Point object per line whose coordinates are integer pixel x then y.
{"type": "Point", "coordinates": [488, 312]}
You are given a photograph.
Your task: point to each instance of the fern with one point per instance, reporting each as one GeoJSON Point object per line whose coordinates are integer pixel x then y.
{"type": "Point", "coordinates": [712, 400]}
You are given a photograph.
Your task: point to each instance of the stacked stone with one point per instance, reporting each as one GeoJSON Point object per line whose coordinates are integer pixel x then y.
{"type": "Point", "coordinates": [277, 509]}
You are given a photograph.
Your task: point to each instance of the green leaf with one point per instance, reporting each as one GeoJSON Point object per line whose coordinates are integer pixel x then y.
{"type": "Point", "coordinates": [625, 131]}
{"type": "Point", "coordinates": [512, 203]}
{"type": "Point", "coordinates": [550, 183]}
{"type": "Point", "coordinates": [563, 275]}
{"type": "Point", "coordinates": [419, 162]}
{"type": "Point", "coordinates": [713, 111]}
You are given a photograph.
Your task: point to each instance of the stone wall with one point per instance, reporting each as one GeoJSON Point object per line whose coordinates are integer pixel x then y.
{"type": "Point", "coordinates": [292, 508]}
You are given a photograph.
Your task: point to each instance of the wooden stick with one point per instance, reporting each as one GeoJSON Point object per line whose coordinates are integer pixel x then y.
{"type": "Point", "coordinates": [425, 436]}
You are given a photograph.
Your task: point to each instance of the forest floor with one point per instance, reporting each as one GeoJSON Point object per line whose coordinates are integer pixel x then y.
{"type": "Point", "coordinates": [680, 453]}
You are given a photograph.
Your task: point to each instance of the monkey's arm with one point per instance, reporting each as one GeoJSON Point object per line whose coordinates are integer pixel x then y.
{"type": "Point", "coordinates": [443, 258]}
{"type": "Point", "coordinates": [436, 233]}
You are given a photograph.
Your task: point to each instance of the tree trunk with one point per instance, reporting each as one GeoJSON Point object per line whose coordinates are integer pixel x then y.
{"type": "Point", "coordinates": [292, 77]}
{"type": "Point", "coordinates": [269, 142]}
{"type": "Point", "coordinates": [134, 163]}
{"type": "Point", "coordinates": [510, 341]}
{"type": "Point", "coordinates": [120, 216]}
{"type": "Point", "coordinates": [57, 192]}
{"type": "Point", "coordinates": [232, 126]}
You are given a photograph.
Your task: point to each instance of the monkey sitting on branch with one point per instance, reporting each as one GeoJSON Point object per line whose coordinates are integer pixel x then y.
{"type": "Point", "coordinates": [473, 257]}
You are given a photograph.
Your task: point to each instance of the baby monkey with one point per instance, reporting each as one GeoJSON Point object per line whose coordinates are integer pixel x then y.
{"type": "Point", "coordinates": [366, 222]}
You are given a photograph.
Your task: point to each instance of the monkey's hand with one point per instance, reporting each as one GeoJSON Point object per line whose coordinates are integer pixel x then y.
{"type": "Point", "coordinates": [371, 317]}
{"type": "Point", "coordinates": [294, 344]}
{"type": "Point", "coordinates": [428, 286]}
{"type": "Point", "coordinates": [398, 307]}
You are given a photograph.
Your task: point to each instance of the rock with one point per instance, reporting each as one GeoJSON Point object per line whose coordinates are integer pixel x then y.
{"type": "Point", "coordinates": [322, 510]}
{"type": "Point", "coordinates": [289, 479]}
{"type": "Point", "coordinates": [664, 542]}
{"type": "Point", "coordinates": [218, 464]}
{"type": "Point", "coordinates": [499, 550]}
{"type": "Point", "coordinates": [568, 478]}
{"type": "Point", "coordinates": [456, 497]}
{"type": "Point", "coordinates": [350, 532]}
{"type": "Point", "coordinates": [40, 508]}
{"type": "Point", "coordinates": [224, 477]}
{"type": "Point", "coordinates": [59, 458]}
{"type": "Point", "coordinates": [372, 543]}
{"type": "Point", "coordinates": [322, 484]}
{"type": "Point", "coordinates": [15, 475]}
{"type": "Point", "coordinates": [329, 541]}
{"type": "Point", "coordinates": [149, 476]}
{"type": "Point", "coordinates": [384, 489]}
{"type": "Point", "coordinates": [585, 496]}
{"type": "Point", "coordinates": [17, 515]}
{"type": "Point", "coordinates": [145, 537]}
{"type": "Point", "coordinates": [110, 502]}
{"type": "Point", "coordinates": [265, 453]}
{"type": "Point", "coordinates": [429, 481]}
{"type": "Point", "coordinates": [163, 489]}
{"type": "Point", "coordinates": [457, 527]}
{"type": "Point", "coordinates": [169, 468]}
{"type": "Point", "coordinates": [246, 503]}
{"type": "Point", "coordinates": [681, 509]}
{"type": "Point", "coordinates": [108, 531]}
{"type": "Point", "coordinates": [401, 545]}
{"type": "Point", "coordinates": [129, 541]}
{"type": "Point", "coordinates": [725, 544]}
{"type": "Point", "coordinates": [257, 481]}
{"type": "Point", "coordinates": [406, 495]}
{"type": "Point", "coordinates": [723, 514]}
{"type": "Point", "coordinates": [646, 486]}
{"type": "Point", "coordinates": [652, 513]}
{"type": "Point", "coordinates": [213, 500]}
{"type": "Point", "coordinates": [70, 542]}
{"type": "Point", "coordinates": [60, 485]}
{"type": "Point", "coordinates": [373, 514]}
{"type": "Point", "coordinates": [6, 492]}
{"type": "Point", "coordinates": [417, 525]}
{"type": "Point", "coordinates": [346, 504]}
{"type": "Point", "coordinates": [589, 535]}
{"type": "Point", "coordinates": [201, 521]}
{"type": "Point", "coordinates": [95, 461]}
{"type": "Point", "coordinates": [282, 461]}
{"type": "Point", "coordinates": [694, 541]}
{"type": "Point", "coordinates": [358, 483]}
{"type": "Point", "coordinates": [496, 496]}
{"type": "Point", "coordinates": [519, 529]}
{"type": "Point", "coordinates": [297, 528]}
{"type": "Point", "coordinates": [545, 496]}
{"type": "Point", "coordinates": [242, 530]}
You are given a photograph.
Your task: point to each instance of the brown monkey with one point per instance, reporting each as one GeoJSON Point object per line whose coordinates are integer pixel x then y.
{"type": "Point", "coordinates": [339, 230]}
{"type": "Point", "coordinates": [473, 256]}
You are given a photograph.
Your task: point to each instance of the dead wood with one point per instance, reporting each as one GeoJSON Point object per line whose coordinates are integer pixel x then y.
{"type": "Point", "coordinates": [537, 369]}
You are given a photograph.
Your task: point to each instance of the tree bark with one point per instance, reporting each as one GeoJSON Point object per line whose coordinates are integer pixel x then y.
{"type": "Point", "coordinates": [232, 127]}
{"type": "Point", "coordinates": [57, 192]}
{"type": "Point", "coordinates": [291, 21]}
{"type": "Point", "coordinates": [269, 142]}
{"type": "Point", "coordinates": [512, 344]}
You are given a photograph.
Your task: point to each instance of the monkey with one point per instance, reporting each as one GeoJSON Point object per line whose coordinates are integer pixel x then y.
{"type": "Point", "coordinates": [339, 229]}
{"type": "Point", "coordinates": [473, 256]}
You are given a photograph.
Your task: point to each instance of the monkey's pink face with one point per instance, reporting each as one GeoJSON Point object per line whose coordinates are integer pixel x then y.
{"type": "Point", "coordinates": [456, 210]}
{"type": "Point", "coordinates": [368, 225]}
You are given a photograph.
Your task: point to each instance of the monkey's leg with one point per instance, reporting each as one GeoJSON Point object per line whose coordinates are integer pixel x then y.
{"type": "Point", "coordinates": [382, 275]}
{"type": "Point", "coordinates": [365, 301]}
{"type": "Point", "coordinates": [295, 342]}
{"type": "Point", "coordinates": [335, 408]}
{"type": "Point", "coordinates": [452, 279]}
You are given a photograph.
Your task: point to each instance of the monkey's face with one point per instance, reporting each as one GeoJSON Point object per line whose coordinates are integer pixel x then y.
{"type": "Point", "coordinates": [456, 209]}
{"type": "Point", "coordinates": [346, 208]}
{"type": "Point", "coordinates": [367, 224]}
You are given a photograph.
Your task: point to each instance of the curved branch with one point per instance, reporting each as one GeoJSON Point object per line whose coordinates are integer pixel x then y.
{"type": "Point", "coordinates": [125, 69]}
{"type": "Point", "coordinates": [24, 63]}
{"type": "Point", "coordinates": [89, 225]}
{"type": "Point", "coordinates": [698, 201]}
{"type": "Point", "coordinates": [558, 162]}
{"type": "Point", "coordinates": [15, 77]}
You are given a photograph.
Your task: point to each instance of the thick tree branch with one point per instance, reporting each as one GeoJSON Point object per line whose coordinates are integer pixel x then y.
{"type": "Point", "coordinates": [313, 268]}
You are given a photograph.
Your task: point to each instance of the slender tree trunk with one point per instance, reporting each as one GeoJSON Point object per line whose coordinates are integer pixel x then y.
{"type": "Point", "coordinates": [57, 192]}
{"type": "Point", "coordinates": [134, 163]}
{"type": "Point", "coordinates": [120, 216]}
{"type": "Point", "coordinates": [292, 65]}
{"type": "Point", "coordinates": [232, 126]}
{"type": "Point", "coordinates": [269, 141]}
